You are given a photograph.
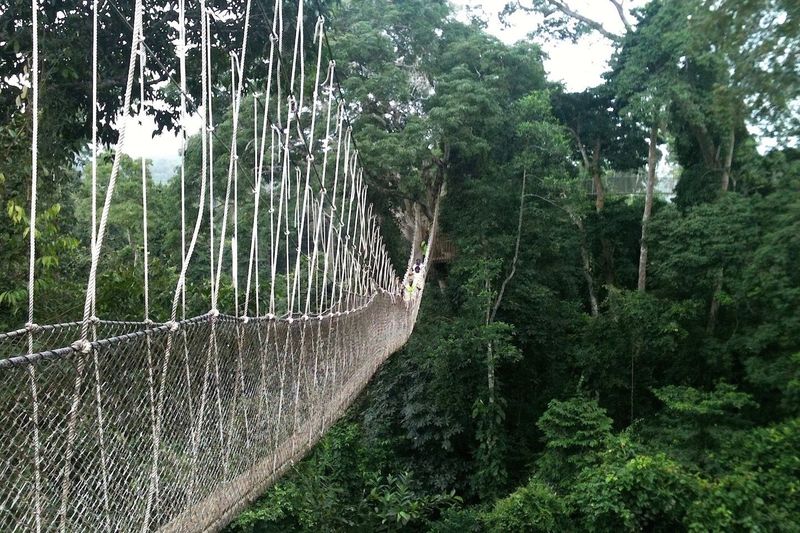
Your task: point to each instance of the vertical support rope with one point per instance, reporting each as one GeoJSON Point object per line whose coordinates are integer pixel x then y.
{"type": "Point", "coordinates": [34, 168]}
{"type": "Point", "coordinates": [32, 259]}
{"type": "Point", "coordinates": [145, 254]}
{"type": "Point", "coordinates": [83, 346]}
{"type": "Point", "coordinates": [209, 125]}
{"type": "Point", "coordinates": [182, 70]}
{"type": "Point", "coordinates": [95, 358]}
{"type": "Point", "coordinates": [152, 495]}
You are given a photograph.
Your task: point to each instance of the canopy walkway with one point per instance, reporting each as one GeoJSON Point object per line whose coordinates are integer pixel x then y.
{"type": "Point", "coordinates": [178, 424]}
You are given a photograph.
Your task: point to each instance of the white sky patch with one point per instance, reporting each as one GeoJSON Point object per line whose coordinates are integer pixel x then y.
{"type": "Point", "coordinates": [578, 65]}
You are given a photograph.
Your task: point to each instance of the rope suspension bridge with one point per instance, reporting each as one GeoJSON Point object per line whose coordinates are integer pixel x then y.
{"type": "Point", "coordinates": [178, 424]}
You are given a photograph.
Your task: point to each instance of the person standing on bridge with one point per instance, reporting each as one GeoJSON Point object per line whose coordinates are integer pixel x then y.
{"type": "Point", "coordinates": [408, 284]}
{"type": "Point", "coordinates": [417, 276]}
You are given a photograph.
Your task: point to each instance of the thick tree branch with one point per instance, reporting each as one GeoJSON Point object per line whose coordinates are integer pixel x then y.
{"type": "Point", "coordinates": [571, 13]}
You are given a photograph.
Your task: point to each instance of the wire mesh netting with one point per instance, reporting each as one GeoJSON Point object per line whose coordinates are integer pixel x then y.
{"type": "Point", "coordinates": [176, 427]}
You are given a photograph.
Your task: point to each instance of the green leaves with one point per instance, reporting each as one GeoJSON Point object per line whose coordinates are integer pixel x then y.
{"type": "Point", "coordinates": [643, 492]}
{"type": "Point", "coordinates": [688, 401]}
{"type": "Point", "coordinates": [533, 508]}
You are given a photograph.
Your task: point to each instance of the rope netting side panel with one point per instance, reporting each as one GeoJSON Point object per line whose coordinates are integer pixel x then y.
{"type": "Point", "coordinates": [112, 425]}
{"type": "Point", "coordinates": [243, 400]}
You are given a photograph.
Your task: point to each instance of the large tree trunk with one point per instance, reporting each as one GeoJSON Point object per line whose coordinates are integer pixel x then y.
{"type": "Point", "coordinates": [597, 180]}
{"type": "Point", "coordinates": [652, 158]}
{"type": "Point", "coordinates": [592, 167]}
{"type": "Point", "coordinates": [587, 266]}
{"type": "Point", "coordinates": [726, 169]}
{"type": "Point", "coordinates": [713, 309]}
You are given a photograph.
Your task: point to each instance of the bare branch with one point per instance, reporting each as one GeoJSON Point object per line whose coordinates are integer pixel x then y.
{"type": "Point", "coordinates": [566, 10]}
{"type": "Point", "coordinates": [516, 252]}
{"type": "Point", "coordinates": [621, 12]}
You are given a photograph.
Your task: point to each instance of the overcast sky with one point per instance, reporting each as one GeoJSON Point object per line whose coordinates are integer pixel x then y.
{"type": "Point", "coordinates": [578, 65]}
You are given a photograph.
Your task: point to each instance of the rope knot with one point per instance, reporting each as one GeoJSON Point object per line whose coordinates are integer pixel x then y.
{"type": "Point", "coordinates": [172, 325]}
{"type": "Point", "coordinates": [32, 327]}
{"type": "Point", "coordinates": [310, 157]}
{"type": "Point", "coordinates": [82, 346]}
{"type": "Point", "coordinates": [290, 320]}
{"type": "Point", "coordinates": [214, 312]}
{"type": "Point", "coordinates": [148, 322]}
{"type": "Point", "coordinates": [270, 316]}
{"type": "Point", "coordinates": [94, 320]}
{"type": "Point", "coordinates": [305, 318]}
{"type": "Point", "coordinates": [245, 319]}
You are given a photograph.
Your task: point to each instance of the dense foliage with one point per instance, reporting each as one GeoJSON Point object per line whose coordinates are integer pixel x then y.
{"type": "Point", "coordinates": [515, 407]}
{"type": "Point", "coordinates": [545, 388]}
